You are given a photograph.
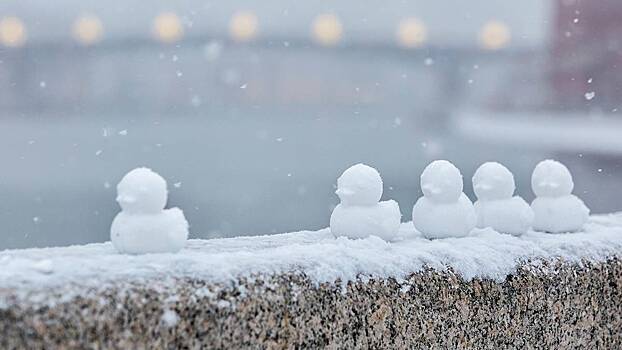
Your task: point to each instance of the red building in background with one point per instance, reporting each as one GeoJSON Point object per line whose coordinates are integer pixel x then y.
{"type": "Point", "coordinates": [587, 54]}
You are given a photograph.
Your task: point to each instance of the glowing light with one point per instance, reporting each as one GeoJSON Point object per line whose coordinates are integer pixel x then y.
{"type": "Point", "coordinates": [88, 29]}
{"type": "Point", "coordinates": [494, 35]}
{"type": "Point", "coordinates": [411, 32]}
{"type": "Point", "coordinates": [12, 32]}
{"type": "Point", "coordinates": [243, 26]}
{"type": "Point", "coordinates": [167, 27]}
{"type": "Point", "coordinates": [327, 29]}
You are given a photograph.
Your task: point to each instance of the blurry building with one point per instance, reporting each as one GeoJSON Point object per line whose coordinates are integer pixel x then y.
{"type": "Point", "coordinates": [586, 61]}
{"type": "Point", "coordinates": [173, 58]}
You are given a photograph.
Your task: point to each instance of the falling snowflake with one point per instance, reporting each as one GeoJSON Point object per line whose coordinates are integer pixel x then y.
{"type": "Point", "coordinates": [590, 95]}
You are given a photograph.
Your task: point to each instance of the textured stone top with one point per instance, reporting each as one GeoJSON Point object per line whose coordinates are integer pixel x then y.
{"type": "Point", "coordinates": [316, 254]}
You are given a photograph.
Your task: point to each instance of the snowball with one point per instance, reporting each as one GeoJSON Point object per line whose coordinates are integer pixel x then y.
{"type": "Point", "coordinates": [169, 318]}
{"type": "Point", "coordinates": [551, 178]}
{"type": "Point", "coordinates": [359, 185]}
{"type": "Point", "coordinates": [441, 182]}
{"type": "Point", "coordinates": [142, 191]}
{"type": "Point", "coordinates": [493, 181]}
{"type": "Point", "coordinates": [44, 266]}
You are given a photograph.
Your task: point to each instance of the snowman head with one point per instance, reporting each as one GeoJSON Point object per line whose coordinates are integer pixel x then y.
{"type": "Point", "coordinates": [551, 179]}
{"type": "Point", "coordinates": [493, 181]}
{"type": "Point", "coordinates": [360, 184]}
{"type": "Point", "coordinates": [441, 182]}
{"type": "Point", "coordinates": [142, 191]}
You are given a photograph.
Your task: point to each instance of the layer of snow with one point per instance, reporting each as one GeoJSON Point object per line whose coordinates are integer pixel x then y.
{"type": "Point", "coordinates": [485, 253]}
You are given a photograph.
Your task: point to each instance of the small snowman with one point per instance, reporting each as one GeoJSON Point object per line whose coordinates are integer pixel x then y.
{"type": "Point", "coordinates": [143, 225]}
{"type": "Point", "coordinates": [496, 206]}
{"type": "Point", "coordinates": [444, 210]}
{"type": "Point", "coordinates": [556, 208]}
{"type": "Point", "coordinates": [360, 214]}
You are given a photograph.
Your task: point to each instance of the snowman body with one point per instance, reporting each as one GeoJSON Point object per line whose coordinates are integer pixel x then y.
{"type": "Point", "coordinates": [556, 209]}
{"type": "Point", "coordinates": [444, 220]}
{"type": "Point", "coordinates": [497, 207]}
{"type": "Point", "coordinates": [361, 213]}
{"type": "Point", "coordinates": [143, 225]}
{"type": "Point", "coordinates": [444, 210]}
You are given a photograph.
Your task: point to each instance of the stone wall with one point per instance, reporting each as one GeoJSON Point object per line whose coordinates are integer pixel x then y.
{"type": "Point", "coordinates": [545, 305]}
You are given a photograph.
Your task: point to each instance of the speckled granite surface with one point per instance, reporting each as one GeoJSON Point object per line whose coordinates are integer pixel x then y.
{"type": "Point", "coordinates": [553, 305]}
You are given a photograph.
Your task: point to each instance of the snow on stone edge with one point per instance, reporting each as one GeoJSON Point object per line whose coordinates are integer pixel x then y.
{"type": "Point", "coordinates": [323, 258]}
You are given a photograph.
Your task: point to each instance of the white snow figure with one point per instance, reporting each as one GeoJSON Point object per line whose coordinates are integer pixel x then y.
{"type": "Point", "coordinates": [496, 206]}
{"type": "Point", "coordinates": [444, 210]}
{"type": "Point", "coordinates": [143, 225]}
{"type": "Point", "coordinates": [360, 214]}
{"type": "Point", "coordinates": [556, 209]}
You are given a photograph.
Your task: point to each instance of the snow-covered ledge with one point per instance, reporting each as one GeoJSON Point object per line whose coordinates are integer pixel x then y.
{"type": "Point", "coordinates": [310, 289]}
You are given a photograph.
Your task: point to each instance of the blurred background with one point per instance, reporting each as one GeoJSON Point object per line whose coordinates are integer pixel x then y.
{"type": "Point", "coordinates": [252, 109]}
